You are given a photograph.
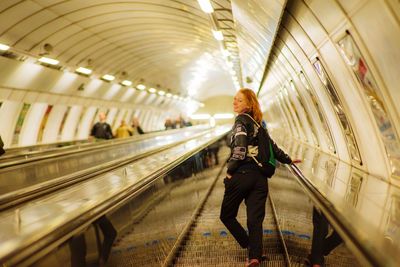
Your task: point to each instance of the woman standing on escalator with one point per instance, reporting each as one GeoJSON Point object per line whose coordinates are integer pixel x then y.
{"type": "Point", "coordinates": [244, 180]}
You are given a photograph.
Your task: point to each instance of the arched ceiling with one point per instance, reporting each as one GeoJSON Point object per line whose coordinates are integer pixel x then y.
{"type": "Point", "coordinates": [158, 42]}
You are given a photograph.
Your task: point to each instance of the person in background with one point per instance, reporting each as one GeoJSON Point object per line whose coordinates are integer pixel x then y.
{"type": "Point", "coordinates": [244, 179]}
{"type": "Point", "coordinates": [123, 131]}
{"type": "Point", "coordinates": [179, 122]}
{"type": "Point", "coordinates": [322, 244]}
{"type": "Point", "coordinates": [169, 124]}
{"type": "Point", "coordinates": [2, 151]}
{"type": "Point", "coordinates": [101, 129]}
{"type": "Point", "coordinates": [136, 129]}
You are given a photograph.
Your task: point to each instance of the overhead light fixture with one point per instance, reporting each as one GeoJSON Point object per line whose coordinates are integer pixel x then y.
{"type": "Point", "coordinates": [206, 6]}
{"type": "Point", "coordinates": [4, 47]}
{"type": "Point", "coordinates": [48, 60]}
{"type": "Point", "coordinates": [218, 35]}
{"type": "Point", "coordinates": [83, 70]}
{"type": "Point", "coordinates": [226, 53]}
{"type": "Point", "coordinates": [223, 116]}
{"type": "Point", "coordinates": [175, 97]}
{"type": "Point", "coordinates": [168, 95]}
{"type": "Point", "coordinates": [201, 104]}
{"type": "Point", "coordinates": [140, 86]}
{"type": "Point", "coordinates": [200, 116]}
{"type": "Point", "coordinates": [126, 83]}
{"type": "Point", "coordinates": [161, 92]}
{"type": "Point", "coordinates": [108, 77]}
{"type": "Point", "coordinates": [152, 90]}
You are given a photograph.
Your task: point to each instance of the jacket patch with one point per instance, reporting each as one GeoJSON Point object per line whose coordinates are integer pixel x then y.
{"type": "Point", "coordinates": [239, 153]}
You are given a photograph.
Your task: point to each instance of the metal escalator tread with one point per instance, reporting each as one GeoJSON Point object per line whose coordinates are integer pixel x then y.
{"type": "Point", "coordinates": [149, 240]}
{"type": "Point", "coordinates": [210, 244]}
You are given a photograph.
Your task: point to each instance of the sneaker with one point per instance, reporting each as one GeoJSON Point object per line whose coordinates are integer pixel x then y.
{"type": "Point", "coordinates": [253, 263]}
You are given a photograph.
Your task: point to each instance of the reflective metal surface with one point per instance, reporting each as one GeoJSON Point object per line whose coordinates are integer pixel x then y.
{"type": "Point", "coordinates": [360, 69]}
{"type": "Point", "coordinates": [26, 175]}
{"type": "Point", "coordinates": [366, 205]}
{"type": "Point", "coordinates": [256, 35]}
{"type": "Point", "coordinates": [25, 225]}
{"type": "Point", "coordinates": [340, 112]}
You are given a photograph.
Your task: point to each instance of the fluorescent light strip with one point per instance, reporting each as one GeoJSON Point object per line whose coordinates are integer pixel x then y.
{"type": "Point", "coordinates": [226, 53]}
{"type": "Point", "coordinates": [152, 90]}
{"type": "Point", "coordinates": [200, 116]}
{"type": "Point", "coordinates": [140, 86]}
{"type": "Point", "coordinates": [168, 95]}
{"type": "Point", "coordinates": [49, 61]}
{"type": "Point", "coordinates": [161, 92]}
{"type": "Point", "coordinates": [108, 77]}
{"type": "Point", "coordinates": [218, 35]}
{"type": "Point", "coordinates": [223, 116]}
{"type": "Point", "coordinates": [126, 83]}
{"type": "Point", "coordinates": [4, 47]}
{"type": "Point", "coordinates": [84, 70]}
{"type": "Point", "coordinates": [206, 6]}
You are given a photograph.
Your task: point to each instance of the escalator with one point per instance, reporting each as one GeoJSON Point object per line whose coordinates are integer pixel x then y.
{"type": "Point", "coordinates": [164, 210]}
{"type": "Point", "coordinates": [204, 240]}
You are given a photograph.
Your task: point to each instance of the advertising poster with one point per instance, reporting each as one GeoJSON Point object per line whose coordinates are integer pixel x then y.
{"type": "Point", "coordinates": [353, 58]}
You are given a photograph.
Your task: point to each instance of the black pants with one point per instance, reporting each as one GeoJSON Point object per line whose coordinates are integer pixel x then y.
{"type": "Point", "coordinates": [321, 244]}
{"type": "Point", "coordinates": [252, 187]}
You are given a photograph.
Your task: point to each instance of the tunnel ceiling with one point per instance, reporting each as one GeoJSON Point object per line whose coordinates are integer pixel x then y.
{"type": "Point", "coordinates": [165, 43]}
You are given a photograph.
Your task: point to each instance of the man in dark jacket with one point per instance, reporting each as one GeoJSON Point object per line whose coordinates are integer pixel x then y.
{"type": "Point", "coordinates": [101, 129]}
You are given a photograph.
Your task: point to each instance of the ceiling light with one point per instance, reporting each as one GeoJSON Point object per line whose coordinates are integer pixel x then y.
{"type": "Point", "coordinates": [108, 77]}
{"type": "Point", "coordinates": [168, 95]}
{"type": "Point", "coordinates": [201, 104]}
{"type": "Point", "coordinates": [161, 92]}
{"type": "Point", "coordinates": [206, 6]}
{"type": "Point", "coordinates": [218, 35]}
{"type": "Point", "coordinates": [223, 116]}
{"type": "Point", "coordinates": [140, 86]}
{"type": "Point", "coordinates": [49, 61]}
{"type": "Point", "coordinates": [126, 83]}
{"type": "Point", "coordinates": [4, 47]}
{"type": "Point", "coordinates": [226, 53]}
{"type": "Point", "coordinates": [83, 70]}
{"type": "Point", "coordinates": [200, 116]}
{"type": "Point", "coordinates": [152, 90]}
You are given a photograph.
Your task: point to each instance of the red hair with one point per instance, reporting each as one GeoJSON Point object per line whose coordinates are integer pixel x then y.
{"type": "Point", "coordinates": [252, 101]}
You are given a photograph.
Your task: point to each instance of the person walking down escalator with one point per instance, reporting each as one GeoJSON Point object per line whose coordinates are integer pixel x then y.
{"type": "Point", "coordinates": [123, 131]}
{"type": "Point", "coordinates": [101, 129]}
{"type": "Point", "coordinates": [322, 243]}
{"type": "Point", "coordinates": [136, 129]}
{"type": "Point", "coordinates": [245, 180]}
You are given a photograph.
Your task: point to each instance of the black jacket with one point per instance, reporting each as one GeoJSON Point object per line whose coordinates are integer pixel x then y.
{"type": "Point", "coordinates": [101, 130]}
{"type": "Point", "coordinates": [244, 134]}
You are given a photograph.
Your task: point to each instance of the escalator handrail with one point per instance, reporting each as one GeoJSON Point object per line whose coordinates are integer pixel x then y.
{"type": "Point", "coordinates": [23, 195]}
{"type": "Point", "coordinates": [43, 245]}
{"type": "Point", "coordinates": [364, 254]}
{"type": "Point", "coordinates": [59, 152]}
